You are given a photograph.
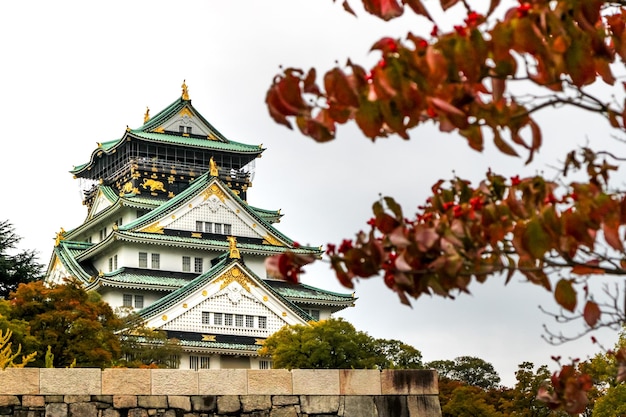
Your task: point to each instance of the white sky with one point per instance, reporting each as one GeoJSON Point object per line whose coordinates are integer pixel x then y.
{"type": "Point", "coordinates": [74, 73]}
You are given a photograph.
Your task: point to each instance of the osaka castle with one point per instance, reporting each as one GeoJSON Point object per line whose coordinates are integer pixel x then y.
{"type": "Point", "coordinates": [169, 234]}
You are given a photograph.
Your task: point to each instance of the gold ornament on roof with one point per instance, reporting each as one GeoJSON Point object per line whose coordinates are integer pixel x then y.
{"type": "Point", "coordinates": [59, 237]}
{"type": "Point", "coordinates": [185, 94]}
{"type": "Point", "coordinates": [235, 275]}
{"type": "Point", "coordinates": [146, 116]}
{"type": "Point", "coordinates": [234, 252]}
{"type": "Point", "coordinates": [214, 171]}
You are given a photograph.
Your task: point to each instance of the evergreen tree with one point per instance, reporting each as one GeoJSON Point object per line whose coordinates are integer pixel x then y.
{"type": "Point", "coordinates": [15, 268]}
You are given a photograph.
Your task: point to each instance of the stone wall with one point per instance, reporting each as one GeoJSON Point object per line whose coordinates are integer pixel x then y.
{"type": "Point", "coordinates": [82, 392]}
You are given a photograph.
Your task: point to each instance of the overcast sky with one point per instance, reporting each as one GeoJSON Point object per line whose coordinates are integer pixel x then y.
{"type": "Point", "coordinates": [75, 73]}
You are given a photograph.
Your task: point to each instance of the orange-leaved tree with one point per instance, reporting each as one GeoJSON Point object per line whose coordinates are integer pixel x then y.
{"type": "Point", "coordinates": [467, 80]}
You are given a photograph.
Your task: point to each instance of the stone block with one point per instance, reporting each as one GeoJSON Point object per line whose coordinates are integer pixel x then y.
{"type": "Point", "coordinates": [125, 401]}
{"type": "Point", "coordinates": [33, 401]}
{"type": "Point", "coordinates": [119, 381]}
{"type": "Point", "coordinates": [288, 411]}
{"type": "Point", "coordinates": [9, 400]}
{"type": "Point", "coordinates": [179, 402]}
{"type": "Point", "coordinates": [359, 405]}
{"type": "Point", "coordinates": [409, 382]}
{"type": "Point", "coordinates": [269, 382]}
{"type": "Point", "coordinates": [315, 381]}
{"type": "Point", "coordinates": [251, 403]}
{"type": "Point", "coordinates": [56, 409]}
{"type": "Point", "coordinates": [223, 382]}
{"type": "Point", "coordinates": [110, 412]}
{"type": "Point", "coordinates": [83, 410]}
{"type": "Point", "coordinates": [203, 402]}
{"type": "Point", "coordinates": [70, 381]}
{"type": "Point", "coordinates": [281, 400]}
{"type": "Point", "coordinates": [137, 412]}
{"type": "Point", "coordinates": [19, 381]}
{"type": "Point", "coordinates": [359, 382]}
{"type": "Point", "coordinates": [152, 401]}
{"type": "Point", "coordinates": [227, 404]}
{"type": "Point", "coordinates": [392, 406]}
{"type": "Point", "coordinates": [174, 382]}
{"type": "Point", "coordinates": [76, 399]}
{"type": "Point", "coordinates": [319, 404]}
{"type": "Point", "coordinates": [423, 406]}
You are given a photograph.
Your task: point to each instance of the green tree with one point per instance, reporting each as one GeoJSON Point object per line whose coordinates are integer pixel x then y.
{"type": "Point", "coordinates": [18, 267]}
{"type": "Point", "coordinates": [524, 402]}
{"type": "Point", "coordinates": [397, 355]}
{"type": "Point", "coordinates": [469, 401]}
{"type": "Point", "coordinates": [142, 347]}
{"type": "Point", "coordinates": [612, 404]}
{"type": "Point", "coordinates": [335, 344]}
{"type": "Point", "coordinates": [77, 324]}
{"type": "Point", "coordinates": [469, 370]}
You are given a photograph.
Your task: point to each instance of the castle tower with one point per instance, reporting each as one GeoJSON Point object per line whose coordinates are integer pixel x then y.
{"type": "Point", "coordinates": [170, 235]}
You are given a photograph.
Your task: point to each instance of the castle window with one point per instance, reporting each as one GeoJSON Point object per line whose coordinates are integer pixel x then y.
{"type": "Point", "coordinates": [249, 321]}
{"type": "Point", "coordinates": [198, 362]}
{"type": "Point", "coordinates": [217, 319]}
{"type": "Point", "coordinates": [113, 263]}
{"type": "Point", "coordinates": [188, 129]}
{"type": "Point", "coordinates": [314, 313]}
{"type": "Point", "coordinates": [206, 317]}
{"type": "Point", "coordinates": [199, 226]}
{"type": "Point", "coordinates": [110, 264]}
{"type": "Point", "coordinates": [186, 264]}
{"type": "Point", "coordinates": [181, 129]}
{"type": "Point", "coordinates": [103, 234]}
{"type": "Point", "coordinates": [262, 322]}
{"type": "Point", "coordinates": [143, 260]}
{"type": "Point", "coordinates": [227, 229]}
{"type": "Point", "coordinates": [264, 364]}
{"type": "Point", "coordinates": [88, 240]}
{"type": "Point", "coordinates": [197, 265]}
{"type": "Point", "coordinates": [239, 320]}
{"type": "Point", "coordinates": [218, 228]}
{"type": "Point", "coordinates": [156, 261]}
{"type": "Point", "coordinates": [138, 301]}
{"type": "Point", "coordinates": [228, 319]}
{"type": "Point", "coordinates": [127, 300]}
{"type": "Point", "coordinates": [208, 227]}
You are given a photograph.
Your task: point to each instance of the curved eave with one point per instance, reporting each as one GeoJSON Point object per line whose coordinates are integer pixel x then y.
{"type": "Point", "coordinates": [104, 281]}
{"type": "Point", "coordinates": [68, 257]}
{"type": "Point", "coordinates": [190, 243]}
{"type": "Point", "coordinates": [200, 183]}
{"type": "Point", "coordinates": [220, 348]}
{"type": "Point", "coordinates": [108, 148]}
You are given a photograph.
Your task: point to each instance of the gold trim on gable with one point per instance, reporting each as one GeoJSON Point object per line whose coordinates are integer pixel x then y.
{"type": "Point", "coordinates": [270, 240]}
{"type": "Point", "coordinates": [259, 342]}
{"type": "Point", "coordinates": [208, 338]}
{"type": "Point", "coordinates": [216, 191]}
{"type": "Point", "coordinates": [153, 228]}
{"type": "Point", "coordinates": [235, 274]}
{"type": "Point", "coordinates": [158, 130]}
{"type": "Point", "coordinates": [185, 112]}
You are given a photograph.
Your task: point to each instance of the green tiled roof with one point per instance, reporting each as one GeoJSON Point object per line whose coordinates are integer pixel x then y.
{"type": "Point", "coordinates": [147, 133]}
{"type": "Point", "coordinates": [229, 146]}
{"type": "Point", "coordinates": [124, 277]}
{"type": "Point", "coordinates": [307, 292]}
{"type": "Point", "coordinates": [177, 296]}
{"type": "Point", "coordinates": [201, 182]}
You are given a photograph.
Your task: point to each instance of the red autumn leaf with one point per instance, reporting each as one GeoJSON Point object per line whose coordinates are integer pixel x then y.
{"type": "Point", "coordinates": [590, 267]}
{"type": "Point", "coordinates": [565, 294]}
{"type": "Point", "coordinates": [418, 7]}
{"type": "Point", "coordinates": [502, 146]}
{"type": "Point", "coordinates": [347, 8]}
{"type": "Point", "coordinates": [591, 313]}
{"type": "Point", "coordinates": [610, 228]}
{"type": "Point", "coordinates": [385, 9]}
{"type": "Point", "coordinates": [446, 4]}
{"type": "Point", "coordinates": [338, 88]}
